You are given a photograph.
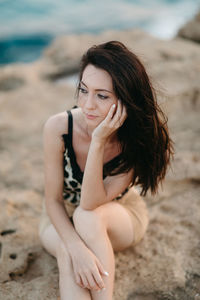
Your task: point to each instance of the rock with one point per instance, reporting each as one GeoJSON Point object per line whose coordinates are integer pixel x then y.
{"type": "Point", "coordinates": [63, 56]}
{"type": "Point", "coordinates": [166, 264]}
{"type": "Point", "coordinates": [191, 30]}
{"type": "Point", "coordinates": [10, 83]}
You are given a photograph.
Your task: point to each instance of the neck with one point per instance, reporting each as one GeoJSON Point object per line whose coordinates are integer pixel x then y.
{"type": "Point", "coordinates": [89, 131]}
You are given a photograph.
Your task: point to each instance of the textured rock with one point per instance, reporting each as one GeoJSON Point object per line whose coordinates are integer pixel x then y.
{"type": "Point", "coordinates": [166, 264]}
{"type": "Point", "coordinates": [191, 30]}
{"type": "Point", "coordinates": [10, 83]}
{"type": "Point", "coordinates": [63, 56]}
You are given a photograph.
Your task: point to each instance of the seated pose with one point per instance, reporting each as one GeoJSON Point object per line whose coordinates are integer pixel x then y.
{"type": "Point", "coordinates": [94, 155]}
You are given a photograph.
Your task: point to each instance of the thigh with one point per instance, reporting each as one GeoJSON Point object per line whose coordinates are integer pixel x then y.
{"type": "Point", "coordinates": [49, 237]}
{"type": "Point", "coordinates": [118, 224]}
{"type": "Point", "coordinates": [137, 209]}
{"type": "Point", "coordinates": [126, 220]}
{"type": "Point", "coordinates": [50, 240]}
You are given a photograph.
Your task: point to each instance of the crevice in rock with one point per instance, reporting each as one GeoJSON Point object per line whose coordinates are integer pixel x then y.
{"type": "Point", "coordinates": [8, 231]}
{"type": "Point", "coordinates": [195, 98]}
{"type": "Point", "coordinates": [195, 181]}
{"type": "Point", "coordinates": [13, 256]}
{"type": "Point", "coordinates": [11, 83]}
{"type": "Point", "coordinates": [20, 272]}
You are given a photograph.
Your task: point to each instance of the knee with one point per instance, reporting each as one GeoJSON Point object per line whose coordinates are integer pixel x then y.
{"type": "Point", "coordinates": [88, 223]}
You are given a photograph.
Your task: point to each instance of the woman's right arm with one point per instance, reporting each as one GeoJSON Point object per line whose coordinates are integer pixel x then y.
{"type": "Point", "coordinates": [82, 257]}
{"type": "Point", "coordinates": [53, 176]}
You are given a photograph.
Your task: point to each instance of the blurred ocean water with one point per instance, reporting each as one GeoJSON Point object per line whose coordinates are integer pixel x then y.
{"type": "Point", "coordinates": [27, 26]}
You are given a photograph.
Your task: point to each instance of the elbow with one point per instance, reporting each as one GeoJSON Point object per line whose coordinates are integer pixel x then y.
{"type": "Point", "coordinates": [91, 205]}
{"type": "Point", "coordinates": [86, 206]}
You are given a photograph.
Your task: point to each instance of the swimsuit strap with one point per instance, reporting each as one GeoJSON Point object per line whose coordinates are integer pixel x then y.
{"type": "Point", "coordinates": [70, 125]}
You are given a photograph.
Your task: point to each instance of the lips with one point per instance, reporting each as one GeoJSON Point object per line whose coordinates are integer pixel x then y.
{"type": "Point", "coordinates": [89, 116]}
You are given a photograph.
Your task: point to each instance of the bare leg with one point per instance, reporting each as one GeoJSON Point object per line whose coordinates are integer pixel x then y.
{"type": "Point", "coordinates": [101, 247]}
{"type": "Point", "coordinates": [104, 251]}
{"type": "Point", "coordinates": [69, 289]}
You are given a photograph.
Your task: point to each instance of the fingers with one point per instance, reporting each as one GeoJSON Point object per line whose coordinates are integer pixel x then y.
{"type": "Point", "coordinates": [119, 116]}
{"type": "Point", "coordinates": [79, 280]}
{"type": "Point", "coordinates": [85, 281]}
{"type": "Point", "coordinates": [101, 268]}
{"type": "Point", "coordinates": [99, 280]}
{"type": "Point", "coordinates": [91, 280]}
{"type": "Point", "coordinates": [87, 272]}
{"type": "Point", "coordinates": [110, 113]}
{"type": "Point", "coordinates": [95, 281]}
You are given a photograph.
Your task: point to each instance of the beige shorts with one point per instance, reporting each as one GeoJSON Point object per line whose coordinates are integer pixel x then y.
{"type": "Point", "coordinates": [132, 201]}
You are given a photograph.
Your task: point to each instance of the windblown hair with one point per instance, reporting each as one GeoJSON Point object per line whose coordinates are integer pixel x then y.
{"type": "Point", "coordinates": [146, 146]}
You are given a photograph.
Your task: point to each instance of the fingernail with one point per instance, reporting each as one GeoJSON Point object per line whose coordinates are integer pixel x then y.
{"type": "Point", "coordinates": [106, 273]}
{"type": "Point", "coordinates": [113, 106]}
{"type": "Point", "coordinates": [103, 289]}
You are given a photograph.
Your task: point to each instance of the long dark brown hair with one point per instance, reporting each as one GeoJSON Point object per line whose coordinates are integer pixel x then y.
{"type": "Point", "coordinates": [144, 138]}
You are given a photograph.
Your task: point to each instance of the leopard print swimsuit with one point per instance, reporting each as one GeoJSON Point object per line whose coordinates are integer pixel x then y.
{"type": "Point", "coordinates": [73, 175]}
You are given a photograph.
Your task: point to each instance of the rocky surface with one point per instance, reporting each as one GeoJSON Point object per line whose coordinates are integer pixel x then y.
{"type": "Point", "coordinates": [191, 30]}
{"type": "Point", "coordinates": [166, 264]}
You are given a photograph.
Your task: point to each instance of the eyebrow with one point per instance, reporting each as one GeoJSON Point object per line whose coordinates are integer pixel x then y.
{"type": "Point", "coordinates": [96, 89]}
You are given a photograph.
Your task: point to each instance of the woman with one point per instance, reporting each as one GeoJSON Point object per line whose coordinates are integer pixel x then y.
{"type": "Point", "coordinates": [94, 154]}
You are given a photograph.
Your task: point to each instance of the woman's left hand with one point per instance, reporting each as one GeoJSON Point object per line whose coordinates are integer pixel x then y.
{"type": "Point", "coordinates": [111, 123]}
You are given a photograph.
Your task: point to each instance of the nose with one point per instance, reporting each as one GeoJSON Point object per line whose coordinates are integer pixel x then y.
{"type": "Point", "coordinates": [90, 102]}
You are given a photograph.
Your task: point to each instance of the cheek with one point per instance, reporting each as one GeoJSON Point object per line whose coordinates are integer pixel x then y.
{"type": "Point", "coordinates": [109, 104]}
{"type": "Point", "coordinates": [80, 100]}
{"type": "Point", "coordinates": [106, 108]}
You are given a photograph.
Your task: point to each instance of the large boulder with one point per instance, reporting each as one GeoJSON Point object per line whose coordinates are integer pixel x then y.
{"type": "Point", "coordinates": [191, 30]}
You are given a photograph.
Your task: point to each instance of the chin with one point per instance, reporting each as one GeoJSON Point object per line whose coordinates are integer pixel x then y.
{"type": "Point", "coordinates": [92, 123]}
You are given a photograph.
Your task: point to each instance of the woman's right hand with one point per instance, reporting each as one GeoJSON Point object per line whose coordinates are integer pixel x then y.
{"type": "Point", "coordinates": [87, 268]}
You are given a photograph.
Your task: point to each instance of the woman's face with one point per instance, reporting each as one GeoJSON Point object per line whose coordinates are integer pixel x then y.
{"type": "Point", "coordinates": [96, 95]}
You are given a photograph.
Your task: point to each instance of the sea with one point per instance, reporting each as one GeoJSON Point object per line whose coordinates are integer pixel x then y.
{"type": "Point", "coordinates": [28, 26]}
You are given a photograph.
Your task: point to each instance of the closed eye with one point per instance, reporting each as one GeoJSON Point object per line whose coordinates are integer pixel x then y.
{"type": "Point", "coordinates": [102, 96]}
{"type": "Point", "coordinates": [82, 90]}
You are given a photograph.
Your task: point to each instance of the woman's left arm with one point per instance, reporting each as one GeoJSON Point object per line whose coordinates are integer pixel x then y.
{"type": "Point", "coordinates": [96, 191]}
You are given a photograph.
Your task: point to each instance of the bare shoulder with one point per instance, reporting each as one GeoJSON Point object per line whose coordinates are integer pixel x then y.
{"type": "Point", "coordinates": [78, 120]}
{"type": "Point", "coordinates": [57, 123]}
{"type": "Point", "coordinates": [54, 127]}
